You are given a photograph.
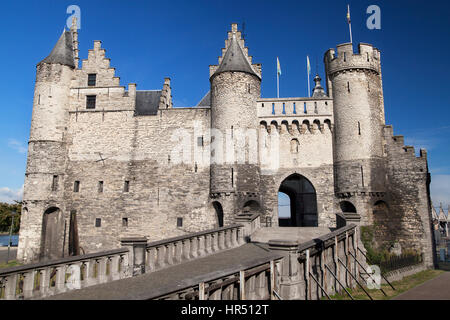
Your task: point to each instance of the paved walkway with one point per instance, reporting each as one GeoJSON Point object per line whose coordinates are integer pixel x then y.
{"type": "Point", "coordinates": [154, 284]}
{"type": "Point", "coordinates": [4, 254]}
{"type": "Point", "coordinates": [434, 289]}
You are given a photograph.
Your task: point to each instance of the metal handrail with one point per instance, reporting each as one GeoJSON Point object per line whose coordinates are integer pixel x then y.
{"type": "Point", "coordinates": [323, 290]}
{"type": "Point", "coordinates": [367, 272]}
{"type": "Point", "coordinates": [355, 279]}
{"type": "Point", "coordinates": [334, 276]}
{"type": "Point", "coordinates": [380, 270]}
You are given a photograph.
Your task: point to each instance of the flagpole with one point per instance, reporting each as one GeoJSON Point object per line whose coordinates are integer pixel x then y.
{"type": "Point", "coordinates": [278, 85]}
{"type": "Point", "coordinates": [349, 24]}
{"type": "Point", "coordinates": [308, 67]}
{"type": "Point", "coordinates": [309, 87]}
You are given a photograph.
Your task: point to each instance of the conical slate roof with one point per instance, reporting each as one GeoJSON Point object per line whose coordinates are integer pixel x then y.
{"type": "Point", "coordinates": [62, 53]}
{"type": "Point", "coordinates": [235, 60]}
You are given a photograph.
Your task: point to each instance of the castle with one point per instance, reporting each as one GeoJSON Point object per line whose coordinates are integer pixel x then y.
{"type": "Point", "coordinates": [106, 162]}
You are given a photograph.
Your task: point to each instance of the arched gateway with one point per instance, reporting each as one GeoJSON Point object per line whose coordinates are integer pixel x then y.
{"type": "Point", "coordinates": [302, 202]}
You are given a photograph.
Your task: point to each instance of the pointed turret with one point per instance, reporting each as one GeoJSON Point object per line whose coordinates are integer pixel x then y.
{"type": "Point", "coordinates": [62, 53]}
{"type": "Point", "coordinates": [318, 91]}
{"type": "Point", "coordinates": [442, 216]}
{"type": "Point", "coordinates": [434, 213]}
{"type": "Point", "coordinates": [235, 60]}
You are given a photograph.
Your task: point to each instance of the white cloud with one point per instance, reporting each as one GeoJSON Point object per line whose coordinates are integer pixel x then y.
{"type": "Point", "coordinates": [17, 145]}
{"type": "Point", "coordinates": [9, 195]}
{"type": "Point", "coordinates": [440, 190]}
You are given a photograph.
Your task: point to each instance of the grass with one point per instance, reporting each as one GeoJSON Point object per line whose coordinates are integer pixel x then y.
{"type": "Point", "coordinates": [401, 286]}
{"type": "Point", "coordinates": [10, 264]}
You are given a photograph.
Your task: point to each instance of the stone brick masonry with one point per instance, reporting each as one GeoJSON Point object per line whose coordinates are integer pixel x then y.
{"type": "Point", "coordinates": [98, 174]}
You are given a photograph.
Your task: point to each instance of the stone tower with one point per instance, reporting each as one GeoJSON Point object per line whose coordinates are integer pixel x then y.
{"type": "Point", "coordinates": [235, 88]}
{"type": "Point", "coordinates": [43, 189]}
{"type": "Point", "coordinates": [354, 82]}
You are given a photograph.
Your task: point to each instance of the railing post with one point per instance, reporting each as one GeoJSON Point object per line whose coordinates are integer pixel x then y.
{"type": "Point", "coordinates": [185, 252]}
{"type": "Point", "coordinates": [272, 280]}
{"type": "Point", "coordinates": [102, 270]}
{"type": "Point", "coordinates": [114, 267]}
{"type": "Point", "coordinates": [201, 291]}
{"type": "Point", "coordinates": [160, 254]}
{"type": "Point", "coordinates": [202, 246]}
{"type": "Point", "coordinates": [307, 274]}
{"type": "Point", "coordinates": [60, 279]}
{"type": "Point", "coordinates": [44, 282]}
{"type": "Point", "coordinates": [10, 287]}
{"type": "Point", "coordinates": [28, 284]}
{"type": "Point", "coordinates": [194, 247]}
{"type": "Point", "coordinates": [151, 257]}
{"type": "Point", "coordinates": [242, 285]}
{"type": "Point", "coordinates": [214, 242]}
{"type": "Point", "coordinates": [241, 236]}
{"type": "Point", "coordinates": [208, 244]}
{"type": "Point", "coordinates": [222, 240]}
{"type": "Point", "coordinates": [137, 248]}
{"type": "Point", "coordinates": [177, 252]}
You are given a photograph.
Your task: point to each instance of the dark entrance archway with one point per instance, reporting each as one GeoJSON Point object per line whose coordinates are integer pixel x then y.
{"type": "Point", "coordinates": [219, 213]}
{"type": "Point", "coordinates": [52, 234]}
{"type": "Point", "coordinates": [303, 202]}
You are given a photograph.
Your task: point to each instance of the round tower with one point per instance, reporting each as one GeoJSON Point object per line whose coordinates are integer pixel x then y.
{"type": "Point", "coordinates": [43, 188]}
{"type": "Point", "coordinates": [235, 88]}
{"type": "Point", "coordinates": [354, 82]}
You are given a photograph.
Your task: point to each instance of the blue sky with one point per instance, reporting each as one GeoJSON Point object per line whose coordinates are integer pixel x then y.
{"type": "Point", "coordinates": [150, 40]}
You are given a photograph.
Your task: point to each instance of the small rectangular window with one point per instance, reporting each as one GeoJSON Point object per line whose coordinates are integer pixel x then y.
{"type": "Point", "coordinates": [55, 183]}
{"type": "Point", "coordinates": [124, 222]}
{"type": "Point", "coordinates": [90, 102]}
{"type": "Point", "coordinates": [200, 141]}
{"type": "Point", "coordinates": [98, 222]}
{"type": "Point", "coordinates": [76, 186]}
{"type": "Point", "coordinates": [92, 79]}
{"type": "Point", "coordinates": [126, 186]}
{"type": "Point", "coordinates": [179, 222]}
{"type": "Point", "coordinates": [273, 108]}
{"type": "Point", "coordinates": [284, 108]}
{"type": "Point", "coordinates": [304, 108]}
{"type": "Point", "coordinates": [100, 186]}
{"type": "Point", "coordinates": [295, 110]}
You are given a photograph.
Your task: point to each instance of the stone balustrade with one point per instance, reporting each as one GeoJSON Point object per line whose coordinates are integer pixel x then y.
{"type": "Point", "coordinates": [39, 280]}
{"type": "Point", "coordinates": [254, 281]}
{"type": "Point", "coordinates": [321, 266]}
{"type": "Point", "coordinates": [169, 252]}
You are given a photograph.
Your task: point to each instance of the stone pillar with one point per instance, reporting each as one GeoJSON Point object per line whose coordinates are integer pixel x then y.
{"type": "Point", "coordinates": [292, 282]}
{"type": "Point", "coordinates": [137, 250]}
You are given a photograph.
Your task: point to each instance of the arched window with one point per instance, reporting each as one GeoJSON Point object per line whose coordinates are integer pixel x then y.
{"type": "Point", "coordinates": [347, 207]}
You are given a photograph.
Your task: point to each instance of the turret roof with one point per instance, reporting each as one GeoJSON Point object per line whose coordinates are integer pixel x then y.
{"type": "Point", "coordinates": [62, 53]}
{"type": "Point", "coordinates": [235, 60]}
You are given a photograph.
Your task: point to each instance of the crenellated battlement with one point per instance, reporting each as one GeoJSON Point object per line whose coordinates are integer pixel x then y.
{"type": "Point", "coordinates": [367, 58]}
{"type": "Point", "coordinates": [396, 144]}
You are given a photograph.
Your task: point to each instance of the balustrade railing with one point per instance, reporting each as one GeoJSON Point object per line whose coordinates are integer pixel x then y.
{"type": "Point", "coordinates": [168, 252]}
{"type": "Point", "coordinates": [48, 278]}
{"type": "Point", "coordinates": [43, 279]}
